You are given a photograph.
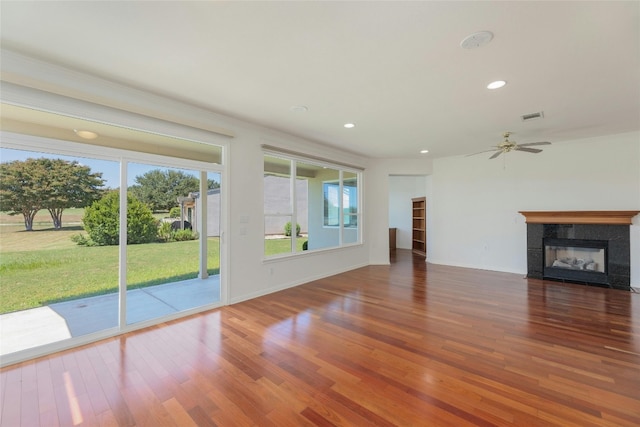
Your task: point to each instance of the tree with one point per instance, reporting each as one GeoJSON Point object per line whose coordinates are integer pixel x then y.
{"type": "Point", "coordinates": [160, 189]}
{"type": "Point", "coordinates": [212, 184]}
{"type": "Point", "coordinates": [21, 189]}
{"type": "Point", "coordinates": [102, 221]}
{"type": "Point", "coordinates": [52, 184]}
{"type": "Point", "coordinates": [70, 185]}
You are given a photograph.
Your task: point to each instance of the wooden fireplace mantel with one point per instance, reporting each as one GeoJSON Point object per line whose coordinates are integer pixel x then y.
{"type": "Point", "coordinates": [579, 217]}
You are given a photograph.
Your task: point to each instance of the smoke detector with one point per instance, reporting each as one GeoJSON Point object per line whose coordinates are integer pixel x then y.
{"type": "Point", "coordinates": [476, 40]}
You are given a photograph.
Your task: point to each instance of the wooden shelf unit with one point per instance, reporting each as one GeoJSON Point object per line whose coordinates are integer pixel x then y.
{"type": "Point", "coordinates": [419, 224]}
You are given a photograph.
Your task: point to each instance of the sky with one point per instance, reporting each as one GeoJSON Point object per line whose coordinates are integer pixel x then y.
{"type": "Point", "coordinates": [110, 169]}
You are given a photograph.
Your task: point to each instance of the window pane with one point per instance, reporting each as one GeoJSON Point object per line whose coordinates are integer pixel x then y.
{"type": "Point", "coordinates": [305, 173]}
{"type": "Point", "coordinates": [58, 281]}
{"type": "Point", "coordinates": [164, 226]}
{"type": "Point", "coordinates": [331, 204]}
{"type": "Point", "coordinates": [302, 213]}
{"type": "Point", "coordinates": [214, 204]}
{"type": "Point", "coordinates": [350, 207]}
{"type": "Point", "coordinates": [278, 206]}
{"type": "Point", "coordinates": [324, 202]}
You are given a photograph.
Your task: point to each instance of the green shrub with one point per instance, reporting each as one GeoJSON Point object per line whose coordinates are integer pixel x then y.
{"type": "Point", "coordinates": [174, 212]}
{"type": "Point", "coordinates": [102, 222]}
{"type": "Point", "coordinates": [287, 229]}
{"type": "Point", "coordinates": [305, 245]}
{"type": "Point", "coordinates": [184, 235]}
{"type": "Point", "coordinates": [165, 233]}
{"type": "Point", "coordinates": [82, 240]}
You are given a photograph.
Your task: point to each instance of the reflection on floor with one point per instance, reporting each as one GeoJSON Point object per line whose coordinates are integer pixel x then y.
{"type": "Point", "coordinates": [25, 329]}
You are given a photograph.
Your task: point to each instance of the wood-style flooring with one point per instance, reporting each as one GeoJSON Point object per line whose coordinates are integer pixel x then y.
{"type": "Point", "coordinates": [410, 344]}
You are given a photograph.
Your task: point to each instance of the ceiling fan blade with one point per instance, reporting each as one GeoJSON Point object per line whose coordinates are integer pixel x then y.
{"type": "Point", "coordinates": [529, 144]}
{"type": "Point", "coordinates": [495, 155]}
{"type": "Point", "coordinates": [480, 152]}
{"type": "Point", "coordinates": [528, 150]}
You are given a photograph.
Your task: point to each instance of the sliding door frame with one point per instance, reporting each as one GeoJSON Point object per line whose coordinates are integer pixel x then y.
{"type": "Point", "coordinates": [39, 144]}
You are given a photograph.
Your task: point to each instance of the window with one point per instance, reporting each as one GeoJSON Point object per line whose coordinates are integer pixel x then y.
{"type": "Point", "coordinates": [308, 204]}
{"type": "Point", "coordinates": [331, 192]}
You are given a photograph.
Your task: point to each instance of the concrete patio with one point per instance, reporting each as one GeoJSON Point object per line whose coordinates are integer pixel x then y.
{"type": "Point", "coordinates": [30, 328]}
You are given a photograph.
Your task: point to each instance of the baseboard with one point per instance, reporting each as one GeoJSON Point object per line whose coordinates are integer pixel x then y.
{"type": "Point", "coordinates": [292, 284]}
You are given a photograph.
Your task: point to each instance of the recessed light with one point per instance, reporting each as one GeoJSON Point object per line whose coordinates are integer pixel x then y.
{"type": "Point", "coordinates": [349, 125]}
{"type": "Point", "coordinates": [86, 134]}
{"type": "Point", "coordinates": [424, 151]}
{"type": "Point", "coordinates": [496, 85]}
{"type": "Point", "coordinates": [299, 108]}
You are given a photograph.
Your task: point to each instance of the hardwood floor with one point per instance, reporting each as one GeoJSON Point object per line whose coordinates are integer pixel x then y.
{"type": "Point", "coordinates": [409, 344]}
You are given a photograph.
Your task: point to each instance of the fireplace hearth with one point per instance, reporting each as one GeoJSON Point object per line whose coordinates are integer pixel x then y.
{"type": "Point", "coordinates": [582, 247]}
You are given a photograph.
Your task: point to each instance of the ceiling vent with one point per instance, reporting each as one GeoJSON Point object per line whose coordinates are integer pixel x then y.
{"type": "Point", "coordinates": [532, 116]}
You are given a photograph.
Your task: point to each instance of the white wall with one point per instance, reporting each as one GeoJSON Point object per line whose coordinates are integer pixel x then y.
{"type": "Point", "coordinates": [401, 190]}
{"type": "Point", "coordinates": [475, 201]}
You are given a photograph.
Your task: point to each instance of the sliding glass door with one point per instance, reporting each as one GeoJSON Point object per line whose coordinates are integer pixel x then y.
{"type": "Point", "coordinates": [173, 217]}
{"type": "Point", "coordinates": [93, 240]}
{"type": "Point", "coordinates": [57, 283]}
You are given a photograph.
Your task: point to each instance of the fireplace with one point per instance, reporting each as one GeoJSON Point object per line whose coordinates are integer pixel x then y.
{"type": "Point", "coordinates": [576, 260]}
{"type": "Point", "coordinates": [588, 247]}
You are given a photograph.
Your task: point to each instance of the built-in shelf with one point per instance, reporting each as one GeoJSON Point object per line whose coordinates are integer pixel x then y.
{"type": "Point", "coordinates": [419, 238]}
{"type": "Point", "coordinates": [579, 217]}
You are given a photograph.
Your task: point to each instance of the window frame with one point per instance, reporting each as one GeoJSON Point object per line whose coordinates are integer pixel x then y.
{"type": "Point", "coordinates": [294, 160]}
{"type": "Point", "coordinates": [52, 146]}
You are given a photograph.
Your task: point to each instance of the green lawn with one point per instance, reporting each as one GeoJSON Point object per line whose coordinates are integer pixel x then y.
{"type": "Point", "coordinates": [34, 278]}
{"type": "Point", "coordinates": [44, 266]}
{"type": "Point", "coordinates": [281, 246]}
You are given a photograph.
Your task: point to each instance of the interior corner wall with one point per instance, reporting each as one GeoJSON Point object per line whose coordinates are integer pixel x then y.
{"type": "Point", "coordinates": [475, 201]}
{"type": "Point", "coordinates": [401, 190]}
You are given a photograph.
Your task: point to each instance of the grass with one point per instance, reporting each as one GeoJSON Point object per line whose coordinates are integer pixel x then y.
{"type": "Point", "coordinates": [40, 277]}
{"type": "Point", "coordinates": [282, 246]}
{"type": "Point", "coordinates": [44, 266]}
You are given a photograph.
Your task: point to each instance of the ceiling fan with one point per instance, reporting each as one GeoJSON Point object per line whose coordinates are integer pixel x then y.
{"type": "Point", "coordinates": [507, 146]}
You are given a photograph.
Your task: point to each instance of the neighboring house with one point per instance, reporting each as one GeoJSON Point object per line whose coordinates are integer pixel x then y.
{"type": "Point", "coordinates": [277, 185]}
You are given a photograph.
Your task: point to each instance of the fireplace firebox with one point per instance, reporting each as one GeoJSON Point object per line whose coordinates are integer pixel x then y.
{"type": "Point", "coordinates": [576, 260]}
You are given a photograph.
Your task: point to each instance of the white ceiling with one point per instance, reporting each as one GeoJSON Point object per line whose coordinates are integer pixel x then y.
{"type": "Point", "coordinates": [395, 69]}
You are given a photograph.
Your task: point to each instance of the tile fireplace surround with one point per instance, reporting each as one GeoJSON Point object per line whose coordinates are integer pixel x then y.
{"type": "Point", "coordinates": [611, 227]}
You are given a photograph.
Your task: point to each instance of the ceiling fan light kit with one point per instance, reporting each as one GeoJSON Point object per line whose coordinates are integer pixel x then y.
{"type": "Point", "coordinates": [507, 146]}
